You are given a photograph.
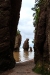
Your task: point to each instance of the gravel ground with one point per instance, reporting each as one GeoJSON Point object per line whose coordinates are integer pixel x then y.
{"type": "Point", "coordinates": [24, 68]}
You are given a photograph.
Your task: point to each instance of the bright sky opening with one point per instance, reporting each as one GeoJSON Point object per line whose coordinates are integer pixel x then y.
{"type": "Point", "coordinates": [26, 21]}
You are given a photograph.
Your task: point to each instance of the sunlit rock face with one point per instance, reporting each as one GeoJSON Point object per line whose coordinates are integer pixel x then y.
{"type": "Point", "coordinates": [42, 34]}
{"type": "Point", "coordinates": [26, 45]}
{"type": "Point", "coordinates": [17, 42]}
{"type": "Point", "coordinates": [9, 17]}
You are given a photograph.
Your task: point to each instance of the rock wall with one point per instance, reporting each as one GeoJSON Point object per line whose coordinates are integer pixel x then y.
{"type": "Point", "coordinates": [42, 34]}
{"type": "Point", "coordinates": [9, 17]}
{"type": "Point", "coordinates": [17, 42]}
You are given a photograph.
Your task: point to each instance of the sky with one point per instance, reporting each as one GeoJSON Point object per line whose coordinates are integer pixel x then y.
{"type": "Point", "coordinates": [26, 21]}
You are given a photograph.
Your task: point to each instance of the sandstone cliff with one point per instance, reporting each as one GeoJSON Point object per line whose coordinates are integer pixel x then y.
{"type": "Point", "coordinates": [9, 17]}
{"type": "Point", "coordinates": [42, 34]}
{"type": "Point", "coordinates": [17, 42]}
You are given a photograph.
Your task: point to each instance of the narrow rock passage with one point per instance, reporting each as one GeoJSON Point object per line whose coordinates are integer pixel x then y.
{"type": "Point", "coordinates": [24, 68]}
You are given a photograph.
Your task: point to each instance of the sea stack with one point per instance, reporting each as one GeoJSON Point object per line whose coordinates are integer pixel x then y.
{"type": "Point", "coordinates": [26, 44]}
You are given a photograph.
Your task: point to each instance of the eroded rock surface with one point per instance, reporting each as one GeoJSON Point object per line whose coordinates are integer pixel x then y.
{"type": "Point", "coordinates": [17, 42]}
{"type": "Point", "coordinates": [9, 17]}
{"type": "Point", "coordinates": [26, 44]}
{"type": "Point", "coordinates": [42, 34]}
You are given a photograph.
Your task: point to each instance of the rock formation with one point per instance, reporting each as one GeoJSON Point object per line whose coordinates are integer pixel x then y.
{"type": "Point", "coordinates": [26, 45]}
{"type": "Point", "coordinates": [42, 34]}
{"type": "Point", "coordinates": [9, 17]}
{"type": "Point", "coordinates": [30, 48]}
{"type": "Point", "coordinates": [17, 42]}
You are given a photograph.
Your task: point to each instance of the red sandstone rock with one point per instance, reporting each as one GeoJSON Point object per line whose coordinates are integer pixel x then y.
{"type": "Point", "coordinates": [9, 18]}
{"type": "Point", "coordinates": [17, 42]}
{"type": "Point", "coordinates": [26, 44]}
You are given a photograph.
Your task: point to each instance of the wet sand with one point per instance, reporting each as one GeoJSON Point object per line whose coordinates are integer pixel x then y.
{"type": "Point", "coordinates": [24, 68]}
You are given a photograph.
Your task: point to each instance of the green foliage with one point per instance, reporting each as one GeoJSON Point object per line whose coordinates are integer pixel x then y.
{"type": "Point", "coordinates": [18, 32]}
{"type": "Point", "coordinates": [36, 14]}
{"type": "Point", "coordinates": [37, 70]}
{"type": "Point", "coordinates": [40, 69]}
{"type": "Point", "coordinates": [33, 41]}
{"type": "Point", "coordinates": [37, 11]}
